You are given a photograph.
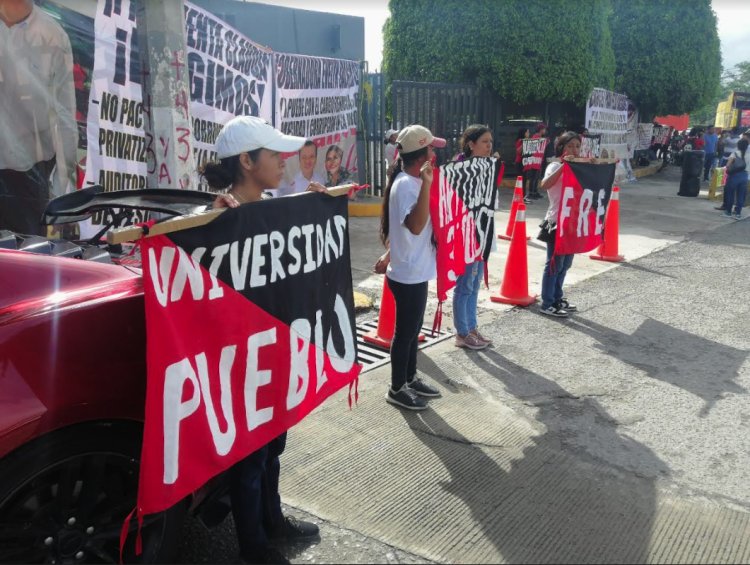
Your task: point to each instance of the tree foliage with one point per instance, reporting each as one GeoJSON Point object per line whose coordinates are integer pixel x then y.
{"type": "Point", "coordinates": [668, 57]}
{"type": "Point", "coordinates": [525, 50]}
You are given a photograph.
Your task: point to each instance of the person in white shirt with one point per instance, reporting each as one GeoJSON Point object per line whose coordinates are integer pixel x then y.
{"type": "Point", "coordinates": [390, 149]}
{"type": "Point", "coordinates": [407, 230]}
{"type": "Point", "coordinates": [37, 114]}
{"type": "Point", "coordinates": [308, 157]}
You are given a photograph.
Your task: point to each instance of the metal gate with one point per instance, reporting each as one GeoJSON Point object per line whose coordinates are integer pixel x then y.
{"type": "Point", "coordinates": [446, 109]}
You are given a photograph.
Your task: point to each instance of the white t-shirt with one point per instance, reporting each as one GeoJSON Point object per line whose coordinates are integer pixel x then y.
{"type": "Point", "coordinates": [554, 193]}
{"type": "Point", "coordinates": [412, 256]}
{"type": "Point", "coordinates": [299, 184]}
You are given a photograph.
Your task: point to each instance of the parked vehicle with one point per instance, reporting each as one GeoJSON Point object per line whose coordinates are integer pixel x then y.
{"type": "Point", "coordinates": [72, 389]}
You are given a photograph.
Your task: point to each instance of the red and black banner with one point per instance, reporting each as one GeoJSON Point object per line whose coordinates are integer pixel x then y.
{"type": "Point", "coordinates": [586, 191]}
{"type": "Point", "coordinates": [532, 153]}
{"type": "Point", "coordinates": [462, 210]}
{"type": "Point", "coordinates": [250, 326]}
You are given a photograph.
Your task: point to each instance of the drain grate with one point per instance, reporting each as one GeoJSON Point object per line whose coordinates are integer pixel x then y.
{"type": "Point", "coordinates": [372, 357]}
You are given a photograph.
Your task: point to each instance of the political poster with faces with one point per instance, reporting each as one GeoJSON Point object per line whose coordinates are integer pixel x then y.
{"type": "Point", "coordinates": [316, 98]}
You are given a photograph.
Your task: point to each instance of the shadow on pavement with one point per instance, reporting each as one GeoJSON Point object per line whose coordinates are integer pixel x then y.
{"type": "Point", "coordinates": [547, 505]}
{"type": "Point", "coordinates": [695, 364]}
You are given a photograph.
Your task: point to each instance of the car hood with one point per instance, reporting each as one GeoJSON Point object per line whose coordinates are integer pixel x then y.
{"type": "Point", "coordinates": [32, 284]}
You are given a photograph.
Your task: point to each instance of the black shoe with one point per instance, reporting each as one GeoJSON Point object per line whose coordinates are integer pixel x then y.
{"type": "Point", "coordinates": [294, 530]}
{"type": "Point", "coordinates": [719, 208]}
{"type": "Point", "coordinates": [405, 398]}
{"type": "Point", "coordinates": [268, 554]}
{"type": "Point", "coordinates": [567, 306]}
{"type": "Point", "coordinates": [536, 196]}
{"type": "Point", "coordinates": [422, 388]}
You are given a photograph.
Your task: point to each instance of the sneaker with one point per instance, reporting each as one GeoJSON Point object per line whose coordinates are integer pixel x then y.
{"type": "Point", "coordinates": [470, 341]}
{"type": "Point", "coordinates": [527, 200]}
{"type": "Point", "coordinates": [719, 208]}
{"type": "Point", "coordinates": [567, 306]}
{"type": "Point", "coordinates": [726, 214]}
{"type": "Point", "coordinates": [294, 530]}
{"type": "Point", "coordinates": [480, 337]}
{"type": "Point", "coordinates": [421, 388]}
{"type": "Point", "coordinates": [738, 216]}
{"type": "Point", "coordinates": [553, 310]}
{"type": "Point", "coordinates": [266, 555]}
{"type": "Point", "coordinates": [405, 398]}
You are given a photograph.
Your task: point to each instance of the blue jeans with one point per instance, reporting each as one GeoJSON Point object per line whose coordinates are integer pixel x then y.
{"type": "Point", "coordinates": [465, 298]}
{"type": "Point", "coordinates": [735, 192]}
{"type": "Point", "coordinates": [553, 278]}
{"type": "Point", "coordinates": [708, 164]}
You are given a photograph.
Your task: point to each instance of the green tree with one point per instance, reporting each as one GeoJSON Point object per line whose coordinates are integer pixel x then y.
{"type": "Point", "coordinates": [668, 58]}
{"type": "Point", "coordinates": [526, 50]}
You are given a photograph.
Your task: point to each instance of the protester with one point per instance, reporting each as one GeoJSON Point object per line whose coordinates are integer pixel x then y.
{"type": "Point", "coordinates": [567, 147]}
{"type": "Point", "coordinates": [407, 231]}
{"type": "Point", "coordinates": [308, 157]}
{"type": "Point", "coordinates": [250, 163]}
{"type": "Point", "coordinates": [523, 133]}
{"type": "Point", "coordinates": [390, 149]}
{"type": "Point", "coordinates": [476, 141]}
{"type": "Point", "coordinates": [735, 190]}
{"type": "Point", "coordinates": [37, 115]}
{"type": "Point", "coordinates": [710, 146]}
{"type": "Point", "coordinates": [336, 175]}
{"type": "Point", "coordinates": [534, 173]}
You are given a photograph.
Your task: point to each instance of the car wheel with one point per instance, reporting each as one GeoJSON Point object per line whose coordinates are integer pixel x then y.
{"type": "Point", "coordinates": [64, 498]}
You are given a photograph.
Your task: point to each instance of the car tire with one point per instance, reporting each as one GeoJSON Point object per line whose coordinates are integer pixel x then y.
{"type": "Point", "coordinates": [64, 498]}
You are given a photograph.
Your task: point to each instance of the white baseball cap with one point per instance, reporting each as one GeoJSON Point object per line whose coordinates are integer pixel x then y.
{"type": "Point", "coordinates": [416, 137]}
{"type": "Point", "coordinates": [248, 133]}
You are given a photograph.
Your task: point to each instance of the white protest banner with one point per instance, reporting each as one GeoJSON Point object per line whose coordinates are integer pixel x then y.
{"type": "Point", "coordinates": [230, 76]}
{"type": "Point", "coordinates": [632, 136]}
{"type": "Point", "coordinates": [645, 133]}
{"type": "Point", "coordinates": [117, 152]}
{"type": "Point", "coordinates": [316, 98]}
{"type": "Point", "coordinates": [607, 114]}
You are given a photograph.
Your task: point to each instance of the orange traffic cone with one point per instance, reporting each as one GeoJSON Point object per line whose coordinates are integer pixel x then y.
{"type": "Point", "coordinates": [515, 287]}
{"type": "Point", "coordinates": [517, 199]}
{"type": "Point", "coordinates": [383, 336]}
{"type": "Point", "coordinates": [609, 249]}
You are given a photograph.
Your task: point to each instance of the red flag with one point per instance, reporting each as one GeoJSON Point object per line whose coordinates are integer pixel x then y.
{"type": "Point", "coordinates": [580, 221]}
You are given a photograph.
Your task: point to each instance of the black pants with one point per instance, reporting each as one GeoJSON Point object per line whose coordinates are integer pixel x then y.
{"type": "Point", "coordinates": [411, 300]}
{"type": "Point", "coordinates": [531, 182]}
{"type": "Point", "coordinates": [256, 504]}
{"type": "Point", "coordinates": [23, 198]}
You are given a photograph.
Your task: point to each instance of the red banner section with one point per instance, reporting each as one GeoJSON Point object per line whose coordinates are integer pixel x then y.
{"type": "Point", "coordinates": [462, 210]}
{"type": "Point", "coordinates": [586, 191]}
{"type": "Point", "coordinates": [250, 324]}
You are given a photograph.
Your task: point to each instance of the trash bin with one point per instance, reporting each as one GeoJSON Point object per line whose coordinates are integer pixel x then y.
{"type": "Point", "coordinates": [692, 169]}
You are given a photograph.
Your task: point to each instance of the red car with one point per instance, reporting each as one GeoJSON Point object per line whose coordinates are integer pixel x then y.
{"type": "Point", "coordinates": [72, 388]}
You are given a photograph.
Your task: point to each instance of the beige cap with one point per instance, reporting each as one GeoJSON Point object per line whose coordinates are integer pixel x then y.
{"type": "Point", "coordinates": [416, 137]}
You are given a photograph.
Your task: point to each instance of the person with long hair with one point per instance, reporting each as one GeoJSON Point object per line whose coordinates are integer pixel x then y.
{"type": "Point", "coordinates": [554, 303]}
{"type": "Point", "coordinates": [476, 141]}
{"type": "Point", "coordinates": [406, 230]}
{"type": "Point", "coordinates": [335, 174]}
{"type": "Point", "coordinates": [250, 162]}
{"type": "Point", "coordinates": [735, 190]}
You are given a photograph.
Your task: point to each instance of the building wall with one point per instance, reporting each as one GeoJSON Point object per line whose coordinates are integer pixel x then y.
{"type": "Point", "coordinates": [289, 30]}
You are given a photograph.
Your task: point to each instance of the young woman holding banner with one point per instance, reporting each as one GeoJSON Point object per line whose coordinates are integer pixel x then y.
{"type": "Point", "coordinates": [476, 141]}
{"type": "Point", "coordinates": [250, 163]}
{"type": "Point", "coordinates": [406, 229]}
{"type": "Point", "coordinates": [567, 147]}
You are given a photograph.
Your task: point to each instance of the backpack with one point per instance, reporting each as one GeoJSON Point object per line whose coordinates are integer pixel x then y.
{"type": "Point", "coordinates": [738, 165]}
